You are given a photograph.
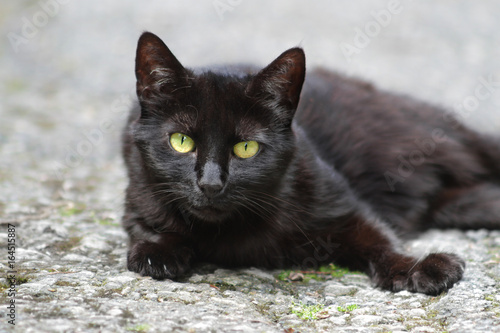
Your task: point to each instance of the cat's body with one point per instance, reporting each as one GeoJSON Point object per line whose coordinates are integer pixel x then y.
{"type": "Point", "coordinates": [324, 183]}
{"type": "Point", "coordinates": [409, 160]}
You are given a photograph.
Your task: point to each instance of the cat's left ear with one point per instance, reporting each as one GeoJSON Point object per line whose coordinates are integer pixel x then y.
{"type": "Point", "coordinates": [278, 85]}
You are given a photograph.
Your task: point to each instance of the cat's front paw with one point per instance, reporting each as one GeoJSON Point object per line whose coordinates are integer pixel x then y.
{"type": "Point", "coordinates": [152, 259]}
{"type": "Point", "coordinates": [432, 275]}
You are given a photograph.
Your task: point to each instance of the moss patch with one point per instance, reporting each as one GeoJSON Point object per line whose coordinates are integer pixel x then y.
{"type": "Point", "coordinates": [15, 85]}
{"type": "Point", "coordinates": [22, 276]}
{"type": "Point", "coordinates": [307, 312]}
{"type": "Point", "coordinates": [104, 220]}
{"type": "Point", "coordinates": [140, 328]}
{"type": "Point", "coordinates": [72, 209]}
{"type": "Point", "coordinates": [222, 286]}
{"type": "Point", "coordinates": [61, 283]}
{"type": "Point", "coordinates": [323, 273]}
{"type": "Point", "coordinates": [65, 246]}
{"type": "Point", "coordinates": [348, 308]}
{"type": "Point", "coordinates": [108, 293]}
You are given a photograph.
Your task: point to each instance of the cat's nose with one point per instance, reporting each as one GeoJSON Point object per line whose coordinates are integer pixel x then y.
{"type": "Point", "coordinates": [211, 190]}
{"type": "Point", "coordinates": [210, 182]}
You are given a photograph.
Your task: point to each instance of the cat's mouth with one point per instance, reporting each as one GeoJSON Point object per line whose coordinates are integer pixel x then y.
{"type": "Point", "coordinates": [209, 213]}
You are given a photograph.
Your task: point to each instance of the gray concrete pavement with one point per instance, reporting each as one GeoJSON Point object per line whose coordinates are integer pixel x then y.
{"type": "Point", "coordinates": [67, 84]}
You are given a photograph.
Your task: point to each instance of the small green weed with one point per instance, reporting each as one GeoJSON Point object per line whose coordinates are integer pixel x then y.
{"type": "Point", "coordinates": [141, 328]}
{"type": "Point", "coordinates": [348, 308]}
{"type": "Point", "coordinates": [335, 271]}
{"type": "Point", "coordinates": [72, 209]}
{"type": "Point", "coordinates": [22, 276]}
{"type": "Point", "coordinates": [67, 245]}
{"type": "Point", "coordinates": [283, 276]}
{"type": "Point", "coordinates": [307, 312]}
{"type": "Point", "coordinates": [321, 274]}
{"type": "Point", "coordinates": [104, 221]}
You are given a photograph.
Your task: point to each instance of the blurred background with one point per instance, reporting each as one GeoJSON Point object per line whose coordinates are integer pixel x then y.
{"type": "Point", "coordinates": [67, 72]}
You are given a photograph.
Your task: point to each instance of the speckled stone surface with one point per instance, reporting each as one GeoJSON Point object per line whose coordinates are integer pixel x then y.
{"type": "Point", "coordinates": [67, 84]}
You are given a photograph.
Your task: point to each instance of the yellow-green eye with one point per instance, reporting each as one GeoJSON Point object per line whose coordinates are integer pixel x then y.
{"type": "Point", "coordinates": [182, 143]}
{"type": "Point", "coordinates": [246, 149]}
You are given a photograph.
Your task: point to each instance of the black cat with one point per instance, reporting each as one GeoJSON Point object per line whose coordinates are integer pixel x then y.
{"type": "Point", "coordinates": [229, 168]}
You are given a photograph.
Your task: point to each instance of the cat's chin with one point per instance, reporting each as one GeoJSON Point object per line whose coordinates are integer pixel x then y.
{"type": "Point", "coordinates": [209, 214]}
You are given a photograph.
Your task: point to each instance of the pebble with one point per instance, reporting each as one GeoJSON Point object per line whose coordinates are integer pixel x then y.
{"type": "Point", "coordinates": [366, 320]}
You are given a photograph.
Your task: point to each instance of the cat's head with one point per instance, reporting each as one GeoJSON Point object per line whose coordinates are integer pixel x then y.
{"type": "Point", "coordinates": [217, 145]}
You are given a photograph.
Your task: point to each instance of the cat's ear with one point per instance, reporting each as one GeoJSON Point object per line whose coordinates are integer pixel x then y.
{"type": "Point", "coordinates": [156, 68]}
{"type": "Point", "coordinates": [278, 85]}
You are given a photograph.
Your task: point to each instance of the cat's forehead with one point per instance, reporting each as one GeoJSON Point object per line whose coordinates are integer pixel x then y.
{"type": "Point", "coordinates": [237, 71]}
{"type": "Point", "coordinates": [222, 102]}
{"type": "Point", "coordinates": [225, 85]}
{"type": "Point", "coordinates": [206, 121]}
{"type": "Point", "coordinates": [216, 104]}
{"type": "Point", "coordinates": [218, 107]}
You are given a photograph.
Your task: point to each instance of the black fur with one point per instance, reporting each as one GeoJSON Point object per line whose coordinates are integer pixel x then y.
{"type": "Point", "coordinates": [334, 176]}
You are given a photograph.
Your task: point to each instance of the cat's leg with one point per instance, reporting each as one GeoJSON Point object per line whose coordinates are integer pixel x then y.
{"type": "Point", "coordinates": [159, 255]}
{"type": "Point", "coordinates": [468, 208]}
{"type": "Point", "coordinates": [370, 246]}
{"type": "Point", "coordinates": [160, 260]}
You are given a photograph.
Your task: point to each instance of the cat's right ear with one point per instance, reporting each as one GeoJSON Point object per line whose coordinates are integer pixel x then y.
{"type": "Point", "coordinates": [278, 85]}
{"type": "Point", "coordinates": [157, 70]}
